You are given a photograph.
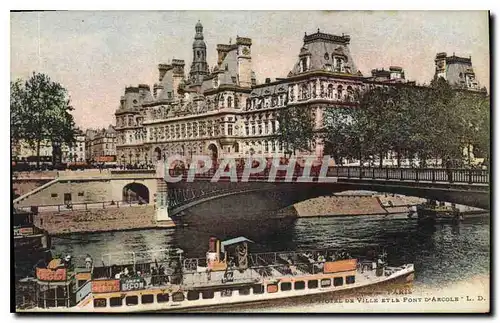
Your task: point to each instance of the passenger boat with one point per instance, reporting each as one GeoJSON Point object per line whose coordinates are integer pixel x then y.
{"type": "Point", "coordinates": [430, 212]}
{"type": "Point", "coordinates": [163, 280]}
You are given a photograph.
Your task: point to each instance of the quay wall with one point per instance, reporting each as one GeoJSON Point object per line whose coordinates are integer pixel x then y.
{"type": "Point", "coordinates": [81, 192]}
{"type": "Point", "coordinates": [86, 191]}
{"type": "Point", "coordinates": [350, 205]}
{"type": "Point", "coordinates": [23, 186]}
{"type": "Point", "coordinates": [337, 206]}
{"type": "Point", "coordinates": [98, 220]}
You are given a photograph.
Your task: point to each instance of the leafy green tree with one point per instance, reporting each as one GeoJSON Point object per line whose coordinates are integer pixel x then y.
{"type": "Point", "coordinates": [339, 135]}
{"type": "Point", "coordinates": [41, 110]}
{"type": "Point", "coordinates": [296, 129]}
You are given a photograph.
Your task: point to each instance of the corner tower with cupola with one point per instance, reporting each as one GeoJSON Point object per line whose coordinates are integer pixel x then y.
{"type": "Point", "coordinates": [199, 66]}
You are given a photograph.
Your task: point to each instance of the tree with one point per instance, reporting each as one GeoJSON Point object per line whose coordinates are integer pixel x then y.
{"type": "Point", "coordinates": [40, 111]}
{"type": "Point", "coordinates": [341, 135]}
{"type": "Point", "coordinates": [296, 129]}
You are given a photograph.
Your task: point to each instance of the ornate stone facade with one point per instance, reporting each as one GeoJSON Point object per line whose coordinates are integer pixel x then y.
{"type": "Point", "coordinates": [223, 112]}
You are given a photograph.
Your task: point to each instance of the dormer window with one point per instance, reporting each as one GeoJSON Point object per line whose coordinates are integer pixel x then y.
{"type": "Point", "coordinates": [339, 64]}
{"type": "Point", "coordinates": [303, 64]}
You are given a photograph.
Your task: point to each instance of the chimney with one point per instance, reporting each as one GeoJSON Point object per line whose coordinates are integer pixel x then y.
{"type": "Point", "coordinates": [268, 80]}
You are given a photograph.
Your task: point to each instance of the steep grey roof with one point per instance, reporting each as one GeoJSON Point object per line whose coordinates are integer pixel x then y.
{"type": "Point", "coordinates": [321, 47]}
{"type": "Point", "coordinates": [229, 68]}
{"type": "Point", "coordinates": [168, 86]}
{"type": "Point", "coordinates": [455, 73]}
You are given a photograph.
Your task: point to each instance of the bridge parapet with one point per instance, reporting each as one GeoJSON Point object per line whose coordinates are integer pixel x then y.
{"type": "Point", "coordinates": [432, 175]}
{"type": "Point", "coordinates": [462, 186]}
{"type": "Point", "coordinates": [130, 173]}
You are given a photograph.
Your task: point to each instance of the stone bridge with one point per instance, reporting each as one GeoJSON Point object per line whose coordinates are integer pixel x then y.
{"type": "Point", "coordinates": [258, 197]}
{"type": "Point", "coordinates": [254, 198]}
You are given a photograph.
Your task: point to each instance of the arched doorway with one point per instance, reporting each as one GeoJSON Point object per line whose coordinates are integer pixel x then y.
{"type": "Point", "coordinates": [214, 154]}
{"type": "Point", "coordinates": [135, 193]}
{"type": "Point", "coordinates": [158, 153]}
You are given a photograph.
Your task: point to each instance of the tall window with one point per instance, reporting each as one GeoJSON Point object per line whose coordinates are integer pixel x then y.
{"type": "Point", "coordinates": [266, 128]}
{"type": "Point", "coordinates": [229, 129]}
{"type": "Point", "coordinates": [247, 129]}
{"type": "Point", "coordinates": [339, 92]}
{"type": "Point", "coordinates": [253, 128]}
{"type": "Point", "coordinates": [350, 94]}
{"type": "Point", "coordinates": [195, 129]}
{"type": "Point", "coordinates": [303, 63]}
{"type": "Point", "coordinates": [338, 64]}
{"type": "Point", "coordinates": [260, 129]}
{"type": "Point", "coordinates": [305, 92]}
{"type": "Point", "coordinates": [330, 91]}
{"type": "Point", "coordinates": [229, 102]}
{"type": "Point", "coordinates": [266, 146]}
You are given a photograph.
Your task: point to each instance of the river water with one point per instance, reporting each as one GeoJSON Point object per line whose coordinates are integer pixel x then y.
{"type": "Point", "coordinates": [441, 253]}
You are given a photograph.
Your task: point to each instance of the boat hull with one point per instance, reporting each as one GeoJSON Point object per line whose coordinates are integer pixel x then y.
{"type": "Point", "coordinates": [399, 285]}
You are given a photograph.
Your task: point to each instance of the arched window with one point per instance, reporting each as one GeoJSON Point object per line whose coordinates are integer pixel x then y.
{"type": "Point", "coordinates": [339, 92]}
{"type": "Point", "coordinates": [350, 94]}
{"type": "Point", "coordinates": [305, 91]}
{"type": "Point", "coordinates": [198, 54]}
{"type": "Point", "coordinates": [229, 102]}
{"type": "Point", "coordinates": [330, 91]}
{"type": "Point", "coordinates": [338, 64]}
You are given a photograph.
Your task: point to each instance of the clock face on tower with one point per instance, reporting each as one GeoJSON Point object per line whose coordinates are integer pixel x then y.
{"type": "Point", "coordinates": [246, 51]}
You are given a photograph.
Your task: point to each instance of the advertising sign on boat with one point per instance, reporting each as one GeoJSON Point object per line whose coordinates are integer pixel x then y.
{"type": "Point", "coordinates": [45, 274]}
{"type": "Point", "coordinates": [340, 265]}
{"type": "Point", "coordinates": [105, 286]}
{"type": "Point", "coordinates": [132, 284]}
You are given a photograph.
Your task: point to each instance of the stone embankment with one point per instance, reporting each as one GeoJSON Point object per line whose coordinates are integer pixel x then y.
{"type": "Point", "coordinates": [98, 220]}
{"type": "Point", "coordinates": [351, 205]}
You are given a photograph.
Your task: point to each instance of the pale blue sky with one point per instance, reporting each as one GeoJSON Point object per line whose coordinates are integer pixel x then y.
{"type": "Point", "coordinates": [96, 54]}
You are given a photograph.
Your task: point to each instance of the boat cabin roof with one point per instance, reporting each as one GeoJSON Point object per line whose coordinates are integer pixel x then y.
{"type": "Point", "coordinates": [234, 241]}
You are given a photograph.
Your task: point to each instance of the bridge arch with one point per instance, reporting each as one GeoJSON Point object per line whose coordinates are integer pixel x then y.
{"type": "Point", "coordinates": [135, 193]}
{"type": "Point", "coordinates": [249, 199]}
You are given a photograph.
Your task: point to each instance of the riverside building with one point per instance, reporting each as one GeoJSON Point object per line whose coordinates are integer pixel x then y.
{"type": "Point", "coordinates": [222, 111]}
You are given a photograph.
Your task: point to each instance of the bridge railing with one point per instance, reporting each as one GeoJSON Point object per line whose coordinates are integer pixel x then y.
{"type": "Point", "coordinates": [469, 176]}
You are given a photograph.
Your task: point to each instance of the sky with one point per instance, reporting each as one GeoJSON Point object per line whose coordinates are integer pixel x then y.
{"type": "Point", "coordinates": [96, 54]}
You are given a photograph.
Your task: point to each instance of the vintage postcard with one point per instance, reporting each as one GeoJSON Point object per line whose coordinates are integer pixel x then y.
{"type": "Point", "coordinates": [250, 161]}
